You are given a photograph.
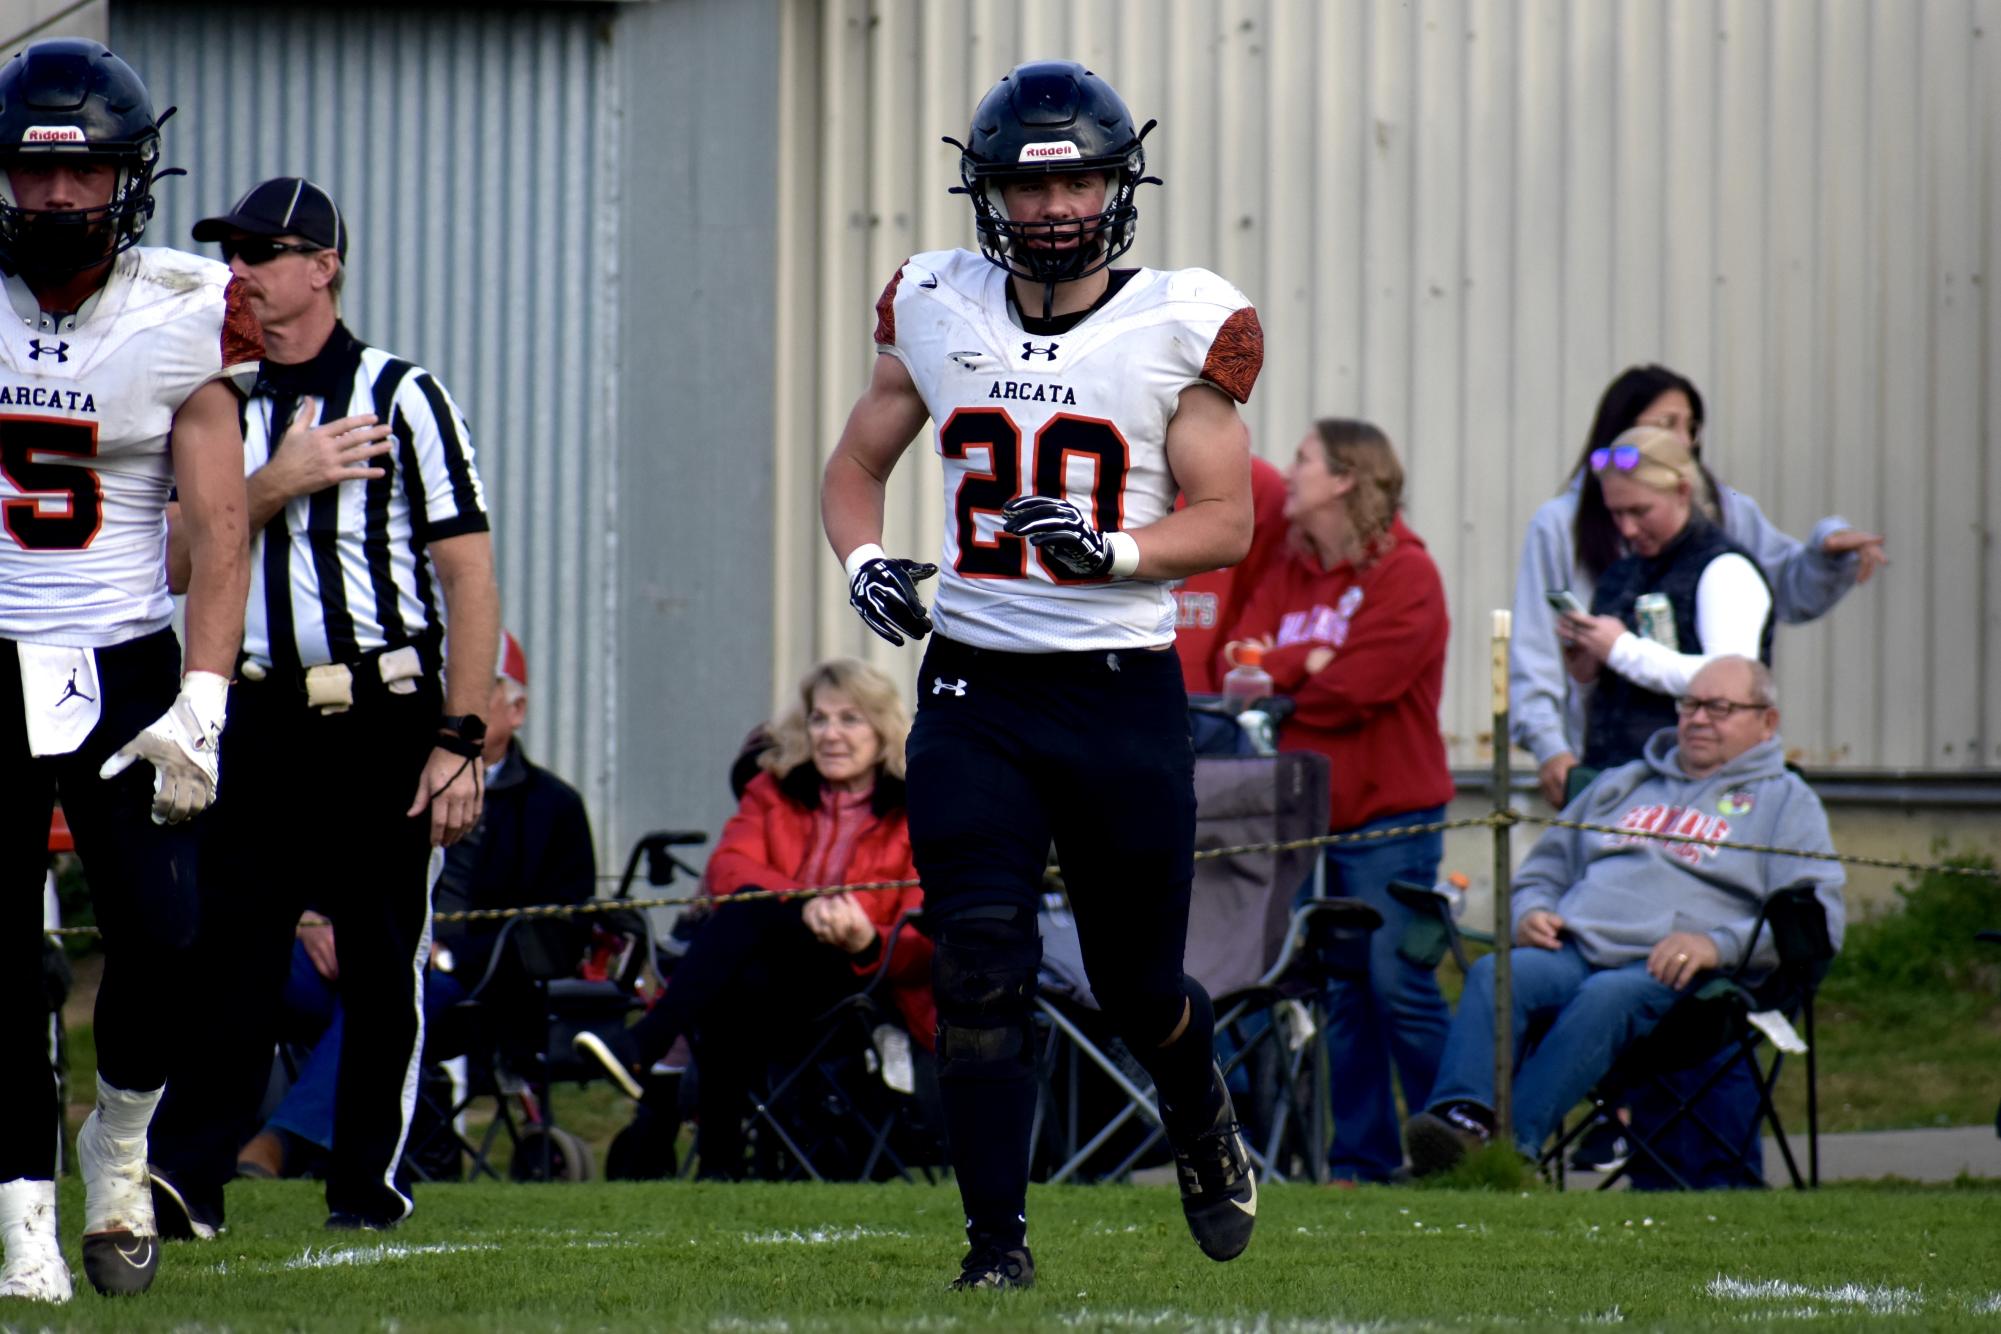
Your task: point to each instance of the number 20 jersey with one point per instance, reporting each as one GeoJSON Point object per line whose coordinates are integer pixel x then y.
{"type": "Point", "coordinates": [85, 464]}
{"type": "Point", "coordinates": [1082, 415]}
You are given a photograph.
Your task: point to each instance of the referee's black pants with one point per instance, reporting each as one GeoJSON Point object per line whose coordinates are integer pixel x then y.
{"type": "Point", "coordinates": [311, 813]}
{"type": "Point", "coordinates": [141, 878]}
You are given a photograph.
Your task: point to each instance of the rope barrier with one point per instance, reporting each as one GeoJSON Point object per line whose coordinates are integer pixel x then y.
{"type": "Point", "coordinates": [1492, 820]}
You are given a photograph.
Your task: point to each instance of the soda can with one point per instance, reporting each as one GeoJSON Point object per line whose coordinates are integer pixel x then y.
{"type": "Point", "coordinates": [1656, 617]}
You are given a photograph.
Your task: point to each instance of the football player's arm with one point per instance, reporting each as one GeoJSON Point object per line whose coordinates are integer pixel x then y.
{"type": "Point", "coordinates": [212, 528]}
{"type": "Point", "coordinates": [885, 419]}
{"type": "Point", "coordinates": [1209, 453]}
{"type": "Point", "coordinates": [312, 456]}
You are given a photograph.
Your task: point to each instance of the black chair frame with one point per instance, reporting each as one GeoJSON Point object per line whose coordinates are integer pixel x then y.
{"type": "Point", "coordinates": [1714, 1018]}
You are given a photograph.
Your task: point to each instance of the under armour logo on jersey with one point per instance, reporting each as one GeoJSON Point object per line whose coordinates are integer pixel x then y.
{"type": "Point", "coordinates": [36, 347]}
{"type": "Point", "coordinates": [939, 685]}
{"type": "Point", "coordinates": [1029, 351]}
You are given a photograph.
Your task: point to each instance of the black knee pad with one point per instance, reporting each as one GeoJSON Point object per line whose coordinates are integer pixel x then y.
{"type": "Point", "coordinates": [983, 979]}
{"type": "Point", "coordinates": [1147, 1022]}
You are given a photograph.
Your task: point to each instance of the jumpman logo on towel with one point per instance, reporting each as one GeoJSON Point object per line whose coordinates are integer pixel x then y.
{"type": "Point", "coordinates": [71, 692]}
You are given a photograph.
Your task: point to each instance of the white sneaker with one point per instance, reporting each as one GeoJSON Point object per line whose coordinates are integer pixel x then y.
{"type": "Point", "coordinates": [121, 1249]}
{"type": "Point", "coordinates": [34, 1270]}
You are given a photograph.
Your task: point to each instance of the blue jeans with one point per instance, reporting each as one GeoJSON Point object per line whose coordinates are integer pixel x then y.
{"type": "Point", "coordinates": [1389, 1011]}
{"type": "Point", "coordinates": [312, 1003]}
{"type": "Point", "coordinates": [1586, 1016]}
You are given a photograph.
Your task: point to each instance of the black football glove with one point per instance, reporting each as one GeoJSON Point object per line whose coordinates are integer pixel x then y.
{"type": "Point", "coordinates": [1059, 531]}
{"type": "Point", "coordinates": [884, 591]}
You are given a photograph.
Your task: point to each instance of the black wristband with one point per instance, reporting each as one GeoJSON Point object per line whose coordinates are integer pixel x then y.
{"type": "Point", "coordinates": [462, 746]}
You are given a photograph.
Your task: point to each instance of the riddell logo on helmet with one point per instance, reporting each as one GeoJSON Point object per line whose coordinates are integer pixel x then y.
{"type": "Point", "coordinates": [53, 134]}
{"type": "Point", "coordinates": [1059, 152]}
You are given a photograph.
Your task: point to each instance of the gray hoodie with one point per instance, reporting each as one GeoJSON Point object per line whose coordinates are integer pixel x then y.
{"type": "Point", "coordinates": [1619, 895]}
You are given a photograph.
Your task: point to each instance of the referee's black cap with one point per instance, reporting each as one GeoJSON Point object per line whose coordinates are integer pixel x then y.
{"type": "Point", "coordinates": [283, 206]}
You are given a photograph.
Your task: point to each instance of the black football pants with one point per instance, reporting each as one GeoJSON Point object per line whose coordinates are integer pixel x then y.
{"type": "Point", "coordinates": [312, 814]}
{"type": "Point", "coordinates": [1011, 752]}
{"type": "Point", "coordinates": [141, 878]}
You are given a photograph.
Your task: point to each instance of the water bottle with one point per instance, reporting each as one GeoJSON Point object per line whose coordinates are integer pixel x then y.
{"type": "Point", "coordinates": [1452, 888]}
{"type": "Point", "coordinates": [1247, 680]}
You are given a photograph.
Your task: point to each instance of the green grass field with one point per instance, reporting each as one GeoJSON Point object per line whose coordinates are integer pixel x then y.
{"type": "Point", "coordinates": [795, 1257]}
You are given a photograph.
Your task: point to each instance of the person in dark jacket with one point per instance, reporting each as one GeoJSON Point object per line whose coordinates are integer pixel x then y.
{"type": "Point", "coordinates": [1683, 596]}
{"type": "Point", "coordinates": [532, 845]}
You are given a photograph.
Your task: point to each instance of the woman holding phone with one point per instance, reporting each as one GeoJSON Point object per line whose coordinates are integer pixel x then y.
{"type": "Point", "coordinates": [1572, 540]}
{"type": "Point", "coordinates": [1682, 596]}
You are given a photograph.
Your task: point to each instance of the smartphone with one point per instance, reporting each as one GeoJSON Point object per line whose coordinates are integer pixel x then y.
{"type": "Point", "coordinates": [1566, 601]}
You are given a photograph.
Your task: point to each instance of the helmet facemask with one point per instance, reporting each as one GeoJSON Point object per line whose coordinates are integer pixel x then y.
{"type": "Point", "coordinates": [55, 243]}
{"type": "Point", "coordinates": [1013, 245]}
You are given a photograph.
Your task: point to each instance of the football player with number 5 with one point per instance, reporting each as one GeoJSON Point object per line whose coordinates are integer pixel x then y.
{"type": "Point", "coordinates": [1071, 401]}
{"type": "Point", "coordinates": [110, 352]}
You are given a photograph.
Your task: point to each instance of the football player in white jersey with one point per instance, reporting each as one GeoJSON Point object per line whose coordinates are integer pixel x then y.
{"type": "Point", "coordinates": [1071, 400]}
{"type": "Point", "coordinates": [110, 351]}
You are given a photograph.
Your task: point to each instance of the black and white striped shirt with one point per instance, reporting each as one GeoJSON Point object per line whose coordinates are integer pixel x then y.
{"type": "Point", "coordinates": [344, 572]}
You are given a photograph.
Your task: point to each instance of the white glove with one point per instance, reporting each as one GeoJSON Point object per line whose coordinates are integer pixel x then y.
{"type": "Point", "coordinates": [181, 745]}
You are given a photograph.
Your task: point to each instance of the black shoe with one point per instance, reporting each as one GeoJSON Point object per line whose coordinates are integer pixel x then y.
{"type": "Point", "coordinates": [996, 1270]}
{"type": "Point", "coordinates": [1604, 1148]}
{"type": "Point", "coordinates": [619, 1057]}
{"type": "Point", "coordinates": [345, 1222]}
{"type": "Point", "coordinates": [1437, 1141]}
{"type": "Point", "coordinates": [119, 1264]}
{"type": "Point", "coordinates": [1219, 1192]}
{"type": "Point", "coordinates": [176, 1216]}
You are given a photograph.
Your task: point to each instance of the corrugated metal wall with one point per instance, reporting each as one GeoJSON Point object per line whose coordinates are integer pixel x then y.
{"type": "Point", "coordinates": [1460, 218]}
{"type": "Point", "coordinates": [472, 149]}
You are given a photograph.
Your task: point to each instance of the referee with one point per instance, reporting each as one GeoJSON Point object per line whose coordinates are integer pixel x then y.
{"type": "Point", "coordinates": [350, 762]}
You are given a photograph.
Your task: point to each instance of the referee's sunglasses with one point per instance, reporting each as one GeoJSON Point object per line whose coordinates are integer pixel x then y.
{"type": "Point", "coordinates": [256, 250]}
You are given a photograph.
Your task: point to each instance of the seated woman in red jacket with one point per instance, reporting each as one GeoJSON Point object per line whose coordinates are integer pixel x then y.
{"type": "Point", "coordinates": [1353, 625]}
{"type": "Point", "coordinates": [827, 809]}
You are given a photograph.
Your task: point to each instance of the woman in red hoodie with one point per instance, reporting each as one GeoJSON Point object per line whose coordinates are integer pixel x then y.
{"type": "Point", "coordinates": [827, 809]}
{"type": "Point", "coordinates": [1353, 626]}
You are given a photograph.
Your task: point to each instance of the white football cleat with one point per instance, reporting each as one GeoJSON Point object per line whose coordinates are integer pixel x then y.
{"type": "Point", "coordinates": [34, 1270]}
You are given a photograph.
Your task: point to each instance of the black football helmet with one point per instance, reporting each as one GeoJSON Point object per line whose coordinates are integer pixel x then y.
{"type": "Point", "coordinates": [1046, 117]}
{"type": "Point", "coordinates": [71, 97]}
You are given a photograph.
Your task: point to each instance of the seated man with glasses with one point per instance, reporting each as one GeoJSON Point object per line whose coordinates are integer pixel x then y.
{"type": "Point", "coordinates": [1611, 929]}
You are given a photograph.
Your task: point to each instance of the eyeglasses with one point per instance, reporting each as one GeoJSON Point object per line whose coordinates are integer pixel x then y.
{"type": "Point", "coordinates": [1623, 457]}
{"type": "Point", "coordinates": [1688, 706]}
{"type": "Point", "coordinates": [256, 250]}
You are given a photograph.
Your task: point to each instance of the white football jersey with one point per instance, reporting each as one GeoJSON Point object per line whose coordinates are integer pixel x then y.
{"type": "Point", "coordinates": [1082, 415]}
{"type": "Point", "coordinates": [84, 466]}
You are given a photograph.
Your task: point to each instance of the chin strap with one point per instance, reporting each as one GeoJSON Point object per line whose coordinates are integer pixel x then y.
{"type": "Point", "coordinates": [1048, 300]}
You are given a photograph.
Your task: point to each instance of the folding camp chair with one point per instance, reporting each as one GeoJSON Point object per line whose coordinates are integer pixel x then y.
{"type": "Point", "coordinates": [856, 1103]}
{"type": "Point", "coordinates": [561, 975]}
{"type": "Point", "coordinates": [1730, 1014]}
{"type": "Point", "coordinates": [1263, 960]}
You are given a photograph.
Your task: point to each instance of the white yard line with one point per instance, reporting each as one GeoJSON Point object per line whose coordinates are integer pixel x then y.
{"type": "Point", "coordinates": [337, 1257]}
{"type": "Point", "coordinates": [1873, 1298]}
{"type": "Point", "coordinates": [820, 1236]}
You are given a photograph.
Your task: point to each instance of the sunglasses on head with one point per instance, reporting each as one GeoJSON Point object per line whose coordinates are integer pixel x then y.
{"type": "Point", "coordinates": [256, 250]}
{"type": "Point", "coordinates": [1623, 457]}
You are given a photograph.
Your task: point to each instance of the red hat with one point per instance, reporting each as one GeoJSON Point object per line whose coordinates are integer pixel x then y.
{"type": "Point", "coordinates": [513, 662]}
